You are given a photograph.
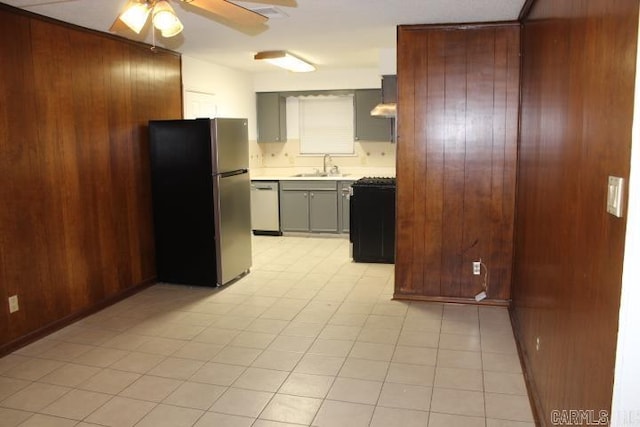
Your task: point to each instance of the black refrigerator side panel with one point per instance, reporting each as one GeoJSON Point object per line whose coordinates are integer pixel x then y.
{"type": "Point", "coordinates": [182, 190]}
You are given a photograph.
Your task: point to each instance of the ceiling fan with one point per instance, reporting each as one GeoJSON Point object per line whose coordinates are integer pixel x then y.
{"type": "Point", "coordinates": [136, 14]}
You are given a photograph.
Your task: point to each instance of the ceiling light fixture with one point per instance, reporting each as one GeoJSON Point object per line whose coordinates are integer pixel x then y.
{"type": "Point", "coordinates": [285, 60]}
{"type": "Point", "coordinates": [163, 16]}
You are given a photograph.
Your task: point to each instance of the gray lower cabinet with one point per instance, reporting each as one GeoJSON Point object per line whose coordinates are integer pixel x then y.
{"type": "Point", "coordinates": [344, 195]}
{"type": "Point", "coordinates": [309, 206]}
{"type": "Point", "coordinates": [294, 210]}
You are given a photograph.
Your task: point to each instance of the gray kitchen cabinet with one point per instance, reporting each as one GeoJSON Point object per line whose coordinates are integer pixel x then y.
{"type": "Point", "coordinates": [294, 210]}
{"type": "Point", "coordinates": [344, 195]}
{"type": "Point", "coordinates": [367, 127]}
{"type": "Point", "coordinates": [323, 209]}
{"type": "Point", "coordinates": [309, 206]}
{"type": "Point", "coordinates": [271, 109]}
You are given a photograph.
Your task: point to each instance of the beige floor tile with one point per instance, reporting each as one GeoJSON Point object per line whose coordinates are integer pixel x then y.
{"type": "Point", "coordinates": [461, 327]}
{"type": "Point", "coordinates": [405, 396]}
{"type": "Point", "coordinates": [76, 404]}
{"type": "Point", "coordinates": [291, 409]}
{"type": "Point", "coordinates": [195, 395]}
{"type": "Point", "coordinates": [248, 403]}
{"type": "Point", "coordinates": [173, 367]}
{"type": "Point", "coordinates": [307, 385]}
{"type": "Point", "coordinates": [459, 359]}
{"type": "Point", "coordinates": [372, 351]}
{"type": "Point", "coordinates": [170, 416]}
{"type": "Point", "coordinates": [499, 343]}
{"type": "Point", "coordinates": [41, 420]}
{"type": "Point", "coordinates": [447, 420]}
{"type": "Point", "coordinates": [151, 388]}
{"type": "Point", "coordinates": [501, 362]}
{"type": "Point", "coordinates": [12, 417]}
{"type": "Point", "coordinates": [65, 351]}
{"type": "Point", "coordinates": [387, 322]}
{"type": "Point", "coordinates": [218, 374]}
{"type": "Point", "coordinates": [411, 374]}
{"type": "Point", "coordinates": [461, 379]}
{"type": "Point", "coordinates": [386, 417]}
{"type": "Point", "coordinates": [261, 379]}
{"type": "Point", "coordinates": [415, 355]}
{"type": "Point", "coordinates": [355, 391]}
{"type": "Point", "coordinates": [291, 343]}
{"type": "Point", "coordinates": [126, 341]}
{"type": "Point", "coordinates": [419, 339]}
{"type": "Point", "coordinates": [198, 351]}
{"type": "Point", "coordinates": [160, 346]}
{"type": "Point", "coordinates": [457, 402]}
{"type": "Point", "coordinates": [337, 332]}
{"type": "Point", "coordinates": [348, 319]}
{"type": "Point", "coordinates": [319, 365]}
{"type": "Point", "coordinates": [508, 423]}
{"type": "Point", "coordinates": [326, 347]}
{"type": "Point", "coordinates": [100, 357]}
{"type": "Point", "coordinates": [343, 414]}
{"type": "Point", "coordinates": [214, 419]}
{"type": "Point", "coordinates": [379, 335]}
{"type": "Point", "coordinates": [216, 336]}
{"type": "Point", "coordinates": [269, 326]}
{"type": "Point", "coordinates": [504, 382]}
{"type": "Point", "coordinates": [9, 386]}
{"type": "Point", "coordinates": [243, 356]}
{"type": "Point", "coordinates": [303, 329]}
{"type": "Point", "coordinates": [138, 362]}
{"type": "Point", "coordinates": [110, 381]}
{"type": "Point", "coordinates": [33, 369]}
{"type": "Point", "coordinates": [120, 412]}
{"type": "Point", "coordinates": [374, 370]}
{"type": "Point", "coordinates": [34, 397]}
{"type": "Point", "coordinates": [269, 423]}
{"type": "Point", "coordinates": [280, 360]}
{"type": "Point", "coordinates": [459, 342]}
{"type": "Point", "coordinates": [508, 407]}
{"type": "Point", "coordinates": [253, 340]}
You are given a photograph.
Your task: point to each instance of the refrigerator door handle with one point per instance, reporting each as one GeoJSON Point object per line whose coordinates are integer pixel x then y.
{"type": "Point", "coordinates": [232, 173]}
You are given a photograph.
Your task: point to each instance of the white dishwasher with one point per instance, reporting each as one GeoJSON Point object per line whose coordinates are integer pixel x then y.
{"type": "Point", "coordinates": [265, 208]}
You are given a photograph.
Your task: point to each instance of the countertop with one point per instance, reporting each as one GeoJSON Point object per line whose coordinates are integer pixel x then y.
{"type": "Point", "coordinates": [288, 174]}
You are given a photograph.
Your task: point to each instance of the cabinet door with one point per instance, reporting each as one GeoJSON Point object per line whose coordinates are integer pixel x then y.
{"type": "Point", "coordinates": [294, 210]}
{"type": "Point", "coordinates": [271, 116]}
{"type": "Point", "coordinates": [370, 128]}
{"type": "Point", "coordinates": [343, 203]}
{"type": "Point", "coordinates": [324, 211]}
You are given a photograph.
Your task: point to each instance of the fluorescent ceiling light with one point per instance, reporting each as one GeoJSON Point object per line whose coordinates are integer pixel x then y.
{"type": "Point", "coordinates": [136, 16]}
{"type": "Point", "coordinates": [285, 60]}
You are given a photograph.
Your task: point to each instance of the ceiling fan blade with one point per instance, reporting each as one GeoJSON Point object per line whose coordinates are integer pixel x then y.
{"type": "Point", "coordinates": [229, 11]}
{"type": "Point", "coordinates": [286, 3]}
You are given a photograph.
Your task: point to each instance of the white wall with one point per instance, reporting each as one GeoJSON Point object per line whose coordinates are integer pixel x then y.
{"type": "Point", "coordinates": [625, 407]}
{"type": "Point", "coordinates": [348, 78]}
{"type": "Point", "coordinates": [232, 89]}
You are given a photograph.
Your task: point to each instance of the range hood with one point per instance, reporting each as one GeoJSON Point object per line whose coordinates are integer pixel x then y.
{"type": "Point", "coordinates": [387, 108]}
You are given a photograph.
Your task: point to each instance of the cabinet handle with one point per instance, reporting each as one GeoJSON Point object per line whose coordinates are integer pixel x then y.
{"type": "Point", "coordinates": [311, 194]}
{"type": "Point", "coordinates": [305, 195]}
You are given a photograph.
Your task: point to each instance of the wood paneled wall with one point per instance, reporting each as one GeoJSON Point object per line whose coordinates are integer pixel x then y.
{"type": "Point", "coordinates": [456, 161]}
{"type": "Point", "coordinates": [578, 76]}
{"type": "Point", "coordinates": [75, 221]}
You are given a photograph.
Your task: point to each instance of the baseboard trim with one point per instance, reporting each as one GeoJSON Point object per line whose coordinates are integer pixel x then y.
{"type": "Point", "coordinates": [54, 326]}
{"type": "Point", "coordinates": [534, 399]}
{"type": "Point", "coordinates": [451, 300]}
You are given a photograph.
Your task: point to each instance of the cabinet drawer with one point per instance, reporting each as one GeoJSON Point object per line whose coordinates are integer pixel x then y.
{"type": "Point", "coordinates": [309, 185]}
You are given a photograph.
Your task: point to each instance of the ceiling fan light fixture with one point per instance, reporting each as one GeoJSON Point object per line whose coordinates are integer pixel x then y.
{"type": "Point", "coordinates": [165, 19]}
{"type": "Point", "coordinates": [285, 60]}
{"type": "Point", "coordinates": [136, 16]}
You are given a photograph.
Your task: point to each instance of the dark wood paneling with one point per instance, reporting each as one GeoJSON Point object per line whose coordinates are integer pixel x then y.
{"type": "Point", "coordinates": [458, 121]}
{"type": "Point", "coordinates": [578, 76]}
{"type": "Point", "coordinates": [75, 225]}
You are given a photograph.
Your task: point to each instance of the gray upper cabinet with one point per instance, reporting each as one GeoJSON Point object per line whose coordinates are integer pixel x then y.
{"type": "Point", "coordinates": [272, 117]}
{"type": "Point", "coordinates": [368, 128]}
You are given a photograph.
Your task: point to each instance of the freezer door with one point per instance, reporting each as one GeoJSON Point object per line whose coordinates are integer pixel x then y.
{"type": "Point", "coordinates": [230, 145]}
{"type": "Point", "coordinates": [233, 226]}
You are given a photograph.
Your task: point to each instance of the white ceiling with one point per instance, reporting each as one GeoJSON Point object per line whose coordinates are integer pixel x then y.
{"type": "Point", "coordinates": [330, 33]}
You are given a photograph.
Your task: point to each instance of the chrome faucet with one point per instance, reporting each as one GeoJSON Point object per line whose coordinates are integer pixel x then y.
{"type": "Point", "coordinates": [324, 163]}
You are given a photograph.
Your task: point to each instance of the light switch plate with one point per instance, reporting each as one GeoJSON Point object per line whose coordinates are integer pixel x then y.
{"type": "Point", "coordinates": [615, 195]}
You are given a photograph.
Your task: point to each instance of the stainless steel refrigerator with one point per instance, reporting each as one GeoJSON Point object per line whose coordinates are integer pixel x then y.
{"type": "Point", "coordinates": [201, 200]}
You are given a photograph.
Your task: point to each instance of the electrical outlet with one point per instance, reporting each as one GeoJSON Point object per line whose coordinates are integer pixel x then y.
{"type": "Point", "coordinates": [537, 343]}
{"type": "Point", "coordinates": [476, 268]}
{"type": "Point", "coordinates": [13, 304]}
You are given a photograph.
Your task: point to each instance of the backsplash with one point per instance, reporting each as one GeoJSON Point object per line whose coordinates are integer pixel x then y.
{"type": "Point", "coordinates": [278, 155]}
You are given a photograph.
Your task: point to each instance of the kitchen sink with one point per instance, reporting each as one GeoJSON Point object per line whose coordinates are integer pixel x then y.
{"type": "Point", "coordinates": [319, 175]}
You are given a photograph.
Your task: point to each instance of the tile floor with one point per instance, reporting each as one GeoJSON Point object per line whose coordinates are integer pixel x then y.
{"type": "Point", "coordinates": [308, 338]}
